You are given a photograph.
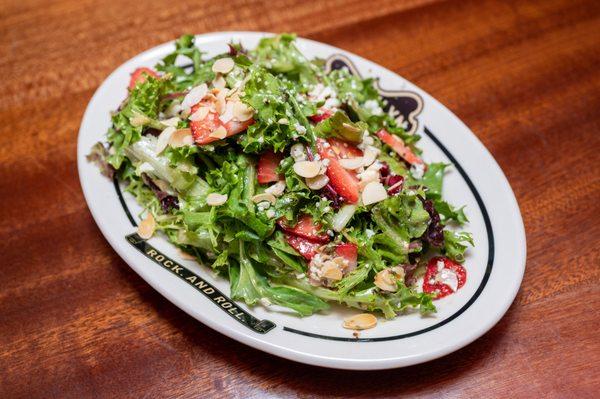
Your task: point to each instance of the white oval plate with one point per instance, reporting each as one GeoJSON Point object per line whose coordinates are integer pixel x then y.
{"type": "Point", "coordinates": [495, 266]}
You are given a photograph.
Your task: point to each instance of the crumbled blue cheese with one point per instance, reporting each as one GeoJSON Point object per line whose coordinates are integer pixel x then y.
{"type": "Point", "coordinates": [373, 107]}
{"type": "Point", "coordinates": [417, 170]}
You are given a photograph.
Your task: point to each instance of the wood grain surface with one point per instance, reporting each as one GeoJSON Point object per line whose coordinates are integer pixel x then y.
{"type": "Point", "coordinates": [76, 322]}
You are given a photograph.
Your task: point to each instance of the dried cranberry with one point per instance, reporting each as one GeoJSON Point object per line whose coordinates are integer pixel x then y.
{"type": "Point", "coordinates": [395, 183]}
{"type": "Point", "coordinates": [385, 169]}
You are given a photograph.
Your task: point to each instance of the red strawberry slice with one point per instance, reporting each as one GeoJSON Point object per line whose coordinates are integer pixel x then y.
{"type": "Point", "coordinates": [343, 149]}
{"type": "Point", "coordinates": [140, 75]}
{"type": "Point", "coordinates": [398, 145]}
{"type": "Point", "coordinates": [349, 252]}
{"type": "Point", "coordinates": [202, 129]}
{"type": "Point", "coordinates": [321, 115]}
{"type": "Point", "coordinates": [306, 248]}
{"type": "Point", "coordinates": [267, 167]}
{"type": "Point", "coordinates": [431, 286]}
{"type": "Point", "coordinates": [305, 228]}
{"type": "Point", "coordinates": [342, 180]}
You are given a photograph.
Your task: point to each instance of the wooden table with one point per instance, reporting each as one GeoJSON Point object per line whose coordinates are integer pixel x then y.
{"type": "Point", "coordinates": [75, 321]}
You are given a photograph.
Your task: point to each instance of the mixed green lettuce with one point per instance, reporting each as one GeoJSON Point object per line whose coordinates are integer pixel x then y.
{"type": "Point", "coordinates": [242, 240]}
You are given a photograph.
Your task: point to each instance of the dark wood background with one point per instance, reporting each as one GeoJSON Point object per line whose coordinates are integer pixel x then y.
{"type": "Point", "coordinates": [75, 321]}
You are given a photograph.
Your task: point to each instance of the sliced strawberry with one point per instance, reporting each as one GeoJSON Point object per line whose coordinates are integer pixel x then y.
{"type": "Point", "coordinates": [432, 286]}
{"type": "Point", "coordinates": [139, 76]}
{"type": "Point", "coordinates": [349, 252]}
{"type": "Point", "coordinates": [306, 248]}
{"type": "Point", "coordinates": [267, 167]}
{"type": "Point", "coordinates": [202, 129]}
{"type": "Point", "coordinates": [305, 228]}
{"type": "Point", "coordinates": [342, 180]}
{"type": "Point", "coordinates": [398, 145]}
{"type": "Point", "coordinates": [343, 149]}
{"type": "Point", "coordinates": [321, 115]}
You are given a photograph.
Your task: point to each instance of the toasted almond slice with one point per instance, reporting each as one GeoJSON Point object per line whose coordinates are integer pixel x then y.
{"type": "Point", "coordinates": [219, 82]}
{"type": "Point", "coordinates": [373, 192]}
{"type": "Point", "coordinates": [219, 133]}
{"type": "Point", "coordinates": [317, 182]}
{"type": "Point", "coordinates": [242, 112]}
{"type": "Point", "coordinates": [361, 321]}
{"type": "Point", "coordinates": [221, 103]}
{"type": "Point", "coordinates": [181, 137]}
{"type": "Point", "coordinates": [307, 168]}
{"type": "Point", "coordinates": [276, 189]}
{"type": "Point", "coordinates": [228, 114]}
{"type": "Point", "coordinates": [264, 197]}
{"type": "Point", "coordinates": [283, 121]}
{"type": "Point", "coordinates": [351, 163]}
{"type": "Point", "coordinates": [194, 96]}
{"type": "Point", "coordinates": [387, 279]}
{"type": "Point", "coordinates": [332, 271]}
{"type": "Point", "coordinates": [200, 114]}
{"type": "Point", "coordinates": [163, 139]}
{"type": "Point", "coordinates": [147, 227]}
{"type": "Point", "coordinates": [370, 155]}
{"type": "Point", "coordinates": [385, 282]}
{"type": "Point", "coordinates": [223, 65]}
{"type": "Point", "coordinates": [216, 199]}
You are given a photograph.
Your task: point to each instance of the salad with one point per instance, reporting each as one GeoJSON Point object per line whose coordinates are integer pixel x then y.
{"type": "Point", "coordinates": [290, 181]}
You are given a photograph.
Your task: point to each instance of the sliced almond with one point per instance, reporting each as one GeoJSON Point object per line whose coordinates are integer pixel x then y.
{"type": "Point", "coordinates": [332, 271]}
{"type": "Point", "coordinates": [361, 321]}
{"type": "Point", "coordinates": [219, 82]}
{"type": "Point", "coordinates": [351, 163]}
{"type": "Point", "coordinates": [373, 192]}
{"type": "Point", "coordinates": [194, 96]}
{"type": "Point", "coordinates": [227, 115]}
{"type": "Point", "coordinates": [242, 112]}
{"type": "Point", "coordinates": [264, 197]}
{"type": "Point", "coordinates": [307, 168]}
{"type": "Point", "coordinates": [317, 182]}
{"type": "Point", "coordinates": [221, 102]}
{"type": "Point", "coordinates": [181, 137]}
{"type": "Point", "coordinates": [283, 121]}
{"type": "Point", "coordinates": [219, 133]}
{"type": "Point", "coordinates": [147, 227]}
{"type": "Point", "coordinates": [216, 199]}
{"type": "Point", "coordinates": [276, 189]}
{"type": "Point", "coordinates": [200, 114]}
{"type": "Point", "coordinates": [163, 139]}
{"type": "Point", "coordinates": [387, 279]}
{"type": "Point", "coordinates": [370, 155]}
{"type": "Point", "coordinates": [223, 65]}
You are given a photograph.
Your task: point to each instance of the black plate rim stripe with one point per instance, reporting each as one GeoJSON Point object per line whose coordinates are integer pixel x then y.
{"type": "Point", "coordinates": [486, 276]}
{"type": "Point", "coordinates": [122, 201]}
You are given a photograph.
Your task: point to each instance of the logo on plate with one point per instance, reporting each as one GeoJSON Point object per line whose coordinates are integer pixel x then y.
{"type": "Point", "coordinates": [403, 105]}
{"type": "Point", "coordinates": [200, 284]}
